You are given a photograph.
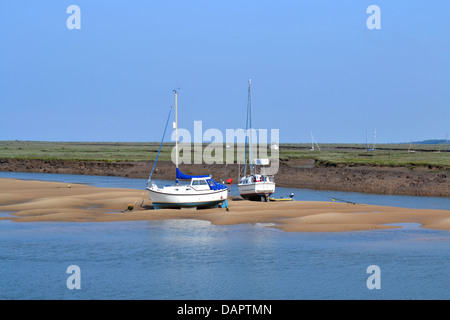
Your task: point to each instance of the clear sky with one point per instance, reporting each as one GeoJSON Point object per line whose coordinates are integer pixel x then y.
{"type": "Point", "coordinates": [315, 67]}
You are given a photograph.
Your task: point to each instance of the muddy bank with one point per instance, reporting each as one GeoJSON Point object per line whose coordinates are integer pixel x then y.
{"type": "Point", "coordinates": [298, 174]}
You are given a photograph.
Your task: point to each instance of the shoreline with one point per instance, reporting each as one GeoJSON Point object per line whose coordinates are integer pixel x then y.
{"type": "Point", "coordinates": [43, 201]}
{"type": "Point", "coordinates": [420, 181]}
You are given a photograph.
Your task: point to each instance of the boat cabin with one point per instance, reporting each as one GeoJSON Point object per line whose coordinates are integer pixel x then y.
{"type": "Point", "coordinates": [203, 183]}
{"type": "Point", "coordinates": [256, 178]}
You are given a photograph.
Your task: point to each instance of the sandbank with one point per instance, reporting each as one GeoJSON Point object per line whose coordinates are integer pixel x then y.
{"type": "Point", "coordinates": [41, 201]}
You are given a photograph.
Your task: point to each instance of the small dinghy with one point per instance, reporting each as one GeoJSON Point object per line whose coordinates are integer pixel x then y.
{"type": "Point", "coordinates": [281, 199]}
{"type": "Point", "coordinates": [291, 196]}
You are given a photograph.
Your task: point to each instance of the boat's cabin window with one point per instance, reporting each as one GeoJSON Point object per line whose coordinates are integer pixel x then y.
{"type": "Point", "coordinates": [199, 183]}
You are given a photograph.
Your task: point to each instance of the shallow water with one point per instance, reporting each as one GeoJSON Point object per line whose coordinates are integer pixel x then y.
{"type": "Point", "coordinates": [188, 259]}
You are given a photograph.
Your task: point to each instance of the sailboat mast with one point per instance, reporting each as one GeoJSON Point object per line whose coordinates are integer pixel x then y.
{"type": "Point", "coordinates": [446, 141]}
{"type": "Point", "coordinates": [374, 138]}
{"type": "Point", "coordinates": [367, 141]}
{"type": "Point", "coordinates": [176, 128]}
{"type": "Point", "coordinates": [250, 126]}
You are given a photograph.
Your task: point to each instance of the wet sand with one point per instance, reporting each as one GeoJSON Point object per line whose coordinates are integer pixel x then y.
{"type": "Point", "coordinates": [39, 201]}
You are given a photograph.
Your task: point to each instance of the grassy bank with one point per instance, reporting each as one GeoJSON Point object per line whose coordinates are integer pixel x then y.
{"type": "Point", "coordinates": [393, 155]}
{"type": "Point", "coordinates": [88, 151]}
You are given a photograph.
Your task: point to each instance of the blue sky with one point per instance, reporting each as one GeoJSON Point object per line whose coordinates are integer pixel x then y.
{"type": "Point", "coordinates": [314, 65]}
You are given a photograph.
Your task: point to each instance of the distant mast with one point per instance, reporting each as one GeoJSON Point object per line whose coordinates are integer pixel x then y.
{"type": "Point", "coordinates": [250, 125]}
{"type": "Point", "coordinates": [446, 149]}
{"type": "Point", "coordinates": [367, 141]}
{"type": "Point", "coordinates": [314, 142]}
{"type": "Point", "coordinates": [248, 135]}
{"type": "Point", "coordinates": [374, 138]}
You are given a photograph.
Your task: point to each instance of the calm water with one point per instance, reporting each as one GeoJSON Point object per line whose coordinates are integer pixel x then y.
{"type": "Point", "coordinates": [187, 259]}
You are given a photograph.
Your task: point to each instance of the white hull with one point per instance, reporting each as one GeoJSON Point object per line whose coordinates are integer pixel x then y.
{"type": "Point", "coordinates": [185, 196]}
{"type": "Point", "coordinates": [256, 190]}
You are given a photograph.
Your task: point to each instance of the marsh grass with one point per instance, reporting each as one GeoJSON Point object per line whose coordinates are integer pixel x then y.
{"type": "Point", "coordinates": [394, 155]}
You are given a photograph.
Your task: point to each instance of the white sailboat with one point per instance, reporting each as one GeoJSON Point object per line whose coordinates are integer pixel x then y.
{"type": "Point", "coordinates": [313, 142]}
{"type": "Point", "coordinates": [255, 185]}
{"type": "Point", "coordinates": [202, 191]}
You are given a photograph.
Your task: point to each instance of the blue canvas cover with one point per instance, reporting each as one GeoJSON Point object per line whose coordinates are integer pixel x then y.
{"type": "Point", "coordinates": [214, 185]}
{"type": "Point", "coordinates": [182, 176]}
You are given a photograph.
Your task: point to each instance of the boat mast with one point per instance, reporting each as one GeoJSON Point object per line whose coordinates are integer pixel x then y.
{"type": "Point", "coordinates": [444, 145]}
{"type": "Point", "coordinates": [374, 137]}
{"type": "Point", "coordinates": [250, 126]}
{"type": "Point", "coordinates": [313, 141]}
{"type": "Point", "coordinates": [176, 128]}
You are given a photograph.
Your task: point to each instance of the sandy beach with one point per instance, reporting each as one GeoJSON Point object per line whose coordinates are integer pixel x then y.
{"type": "Point", "coordinates": [35, 201]}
